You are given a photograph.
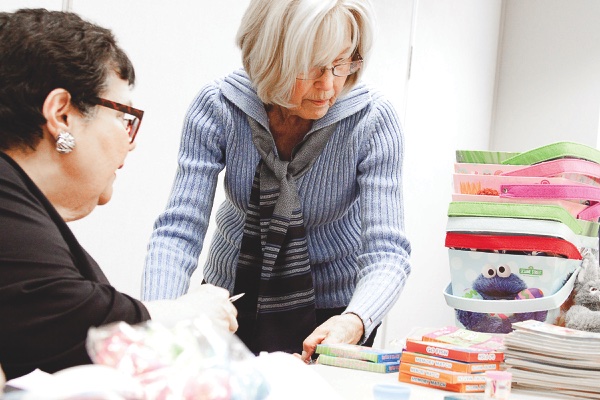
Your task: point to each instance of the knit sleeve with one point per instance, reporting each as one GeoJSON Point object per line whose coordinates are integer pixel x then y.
{"type": "Point", "coordinates": [384, 257]}
{"type": "Point", "coordinates": [178, 235]}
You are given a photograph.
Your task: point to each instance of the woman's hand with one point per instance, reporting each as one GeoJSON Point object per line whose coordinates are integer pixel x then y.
{"type": "Point", "coordinates": [213, 302]}
{"type": "Point", "coordinates": [208, 300]}
{"type": "Point", "coordinates": [2, 379]}
{"type": "Point", "coordinates": [347, 328]}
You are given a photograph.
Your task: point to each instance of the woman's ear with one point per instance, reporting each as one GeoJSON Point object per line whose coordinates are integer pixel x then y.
{"type": "Point", "coordinates": [56, 109]}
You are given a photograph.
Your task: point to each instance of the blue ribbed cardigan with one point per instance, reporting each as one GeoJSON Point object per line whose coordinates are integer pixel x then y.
{"type": "Point", "coordinates": [351, 199]}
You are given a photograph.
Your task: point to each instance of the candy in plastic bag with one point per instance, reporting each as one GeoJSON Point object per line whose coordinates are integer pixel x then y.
{"type": "Point", "coordinates": [190, 361]}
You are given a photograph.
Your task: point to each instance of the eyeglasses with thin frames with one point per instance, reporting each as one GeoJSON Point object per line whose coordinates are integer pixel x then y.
{"type": "Point", "coordinates": [132, 116]}
{"type": "Point", "coordinates": [343, 69]}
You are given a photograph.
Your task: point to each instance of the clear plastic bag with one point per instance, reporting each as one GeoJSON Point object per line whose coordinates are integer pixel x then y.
{"type": "Point", "coordinates": [190, 361]}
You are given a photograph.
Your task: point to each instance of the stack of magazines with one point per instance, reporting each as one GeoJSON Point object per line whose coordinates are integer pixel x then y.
{"type": "Point", "coordinates": [553, 360]}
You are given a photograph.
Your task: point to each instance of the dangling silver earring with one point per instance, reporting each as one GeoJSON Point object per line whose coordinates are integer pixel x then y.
{"type": "Point", "coordinates": [65, 142]}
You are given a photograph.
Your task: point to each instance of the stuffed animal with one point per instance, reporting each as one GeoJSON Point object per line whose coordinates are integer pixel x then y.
{"type": "Point", "coordinates": [584, 315]}
{"type": "Point", "coordinates": [498, 283]}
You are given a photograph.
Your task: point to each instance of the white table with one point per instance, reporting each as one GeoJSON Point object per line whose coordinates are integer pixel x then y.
{"type": "Point", "coordinates": [352, 384]}
{"type": "Point", "coordinates": [290, 379]}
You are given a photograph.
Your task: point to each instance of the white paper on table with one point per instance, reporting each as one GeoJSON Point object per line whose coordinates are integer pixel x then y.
{"type": "Point", "coordinates": [98, 380]}
{"type": "Point", "coordinates": [288, 377]}
{"type": "Point", "coordinates": [291, 379]}
{"type": "Point", "coordinates": [31, 380]}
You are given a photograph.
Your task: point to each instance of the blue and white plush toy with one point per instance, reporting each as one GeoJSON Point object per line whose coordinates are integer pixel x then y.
{"type": "Point", "coordinates": [498, 283]}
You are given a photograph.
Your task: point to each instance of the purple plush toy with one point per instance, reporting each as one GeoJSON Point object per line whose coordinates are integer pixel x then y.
{"type": "Point", "coordinates": [499, 284]}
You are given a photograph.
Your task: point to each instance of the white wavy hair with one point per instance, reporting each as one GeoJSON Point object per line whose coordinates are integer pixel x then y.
{"type": "Point", "coordinates": [281, 38]}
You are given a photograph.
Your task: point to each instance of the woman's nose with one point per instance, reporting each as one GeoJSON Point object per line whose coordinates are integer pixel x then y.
{"type": "Point", "coordinates": [132, 146]}
{"type": "Point", "coordinates": [325, 81]}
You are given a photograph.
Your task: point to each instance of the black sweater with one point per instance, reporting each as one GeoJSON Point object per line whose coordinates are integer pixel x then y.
{"type": "Point", "coordinates": [51, 290]}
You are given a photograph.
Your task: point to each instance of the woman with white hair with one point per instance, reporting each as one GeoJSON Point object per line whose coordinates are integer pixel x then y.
{"type": "Point", "coordinates": [312, 227]}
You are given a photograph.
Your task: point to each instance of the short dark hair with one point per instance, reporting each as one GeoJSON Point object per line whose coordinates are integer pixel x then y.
{"type": "Point", "coordinates": [43, 50]}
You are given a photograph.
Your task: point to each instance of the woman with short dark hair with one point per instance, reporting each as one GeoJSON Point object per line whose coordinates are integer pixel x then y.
{"type": "Point", "coordinates": [66, 126]}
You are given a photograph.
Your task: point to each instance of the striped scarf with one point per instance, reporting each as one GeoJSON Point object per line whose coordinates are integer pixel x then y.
{"type": "Point", "coordinates": [278, 311]}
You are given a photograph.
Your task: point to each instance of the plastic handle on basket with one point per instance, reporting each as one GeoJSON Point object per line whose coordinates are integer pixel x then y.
{"type": "Point", "coordinates": [591, 213]}
{"type": "Point", "coordinates": [513, 243]}
{"type": "Point", "coordinates": [558, 167]}
{"type": "Point", "coordinates": [512, 306]}
{"type": "Point", "coordinates": [554, 151]}
{"type": "Point", "coordinates": [521, 210]}
{"type": "Point", "coordinates": [551, 191]}
{"type": "Point", "coordinates": [513, 226]}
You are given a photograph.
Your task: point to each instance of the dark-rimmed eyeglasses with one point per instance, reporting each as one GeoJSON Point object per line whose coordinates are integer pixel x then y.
{"type": "Point", "coordinates": [343, 69]}
{"type": "Point", "coordinates": [132, 117]}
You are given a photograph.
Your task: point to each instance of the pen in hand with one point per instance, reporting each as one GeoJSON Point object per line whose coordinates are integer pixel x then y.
{"type": "Point", "coordinates": [237, 296]}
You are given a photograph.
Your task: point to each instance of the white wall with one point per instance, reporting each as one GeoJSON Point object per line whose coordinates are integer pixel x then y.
{"type": "Point", "coordinates": [11, 5]}
{"type": "Point", "coordinates": [549, 75]}
{"type": "Point", "coordinates": [175, 50]}
{"type": "Point", "coordinates": [449, 106]}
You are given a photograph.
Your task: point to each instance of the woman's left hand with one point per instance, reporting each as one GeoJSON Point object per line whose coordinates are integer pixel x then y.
{"type": "Point", "coordinates": [347, 328]}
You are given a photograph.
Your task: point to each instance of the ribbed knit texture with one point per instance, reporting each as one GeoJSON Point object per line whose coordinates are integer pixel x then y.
{"type": "Point", "coordinates": [351, 199]}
